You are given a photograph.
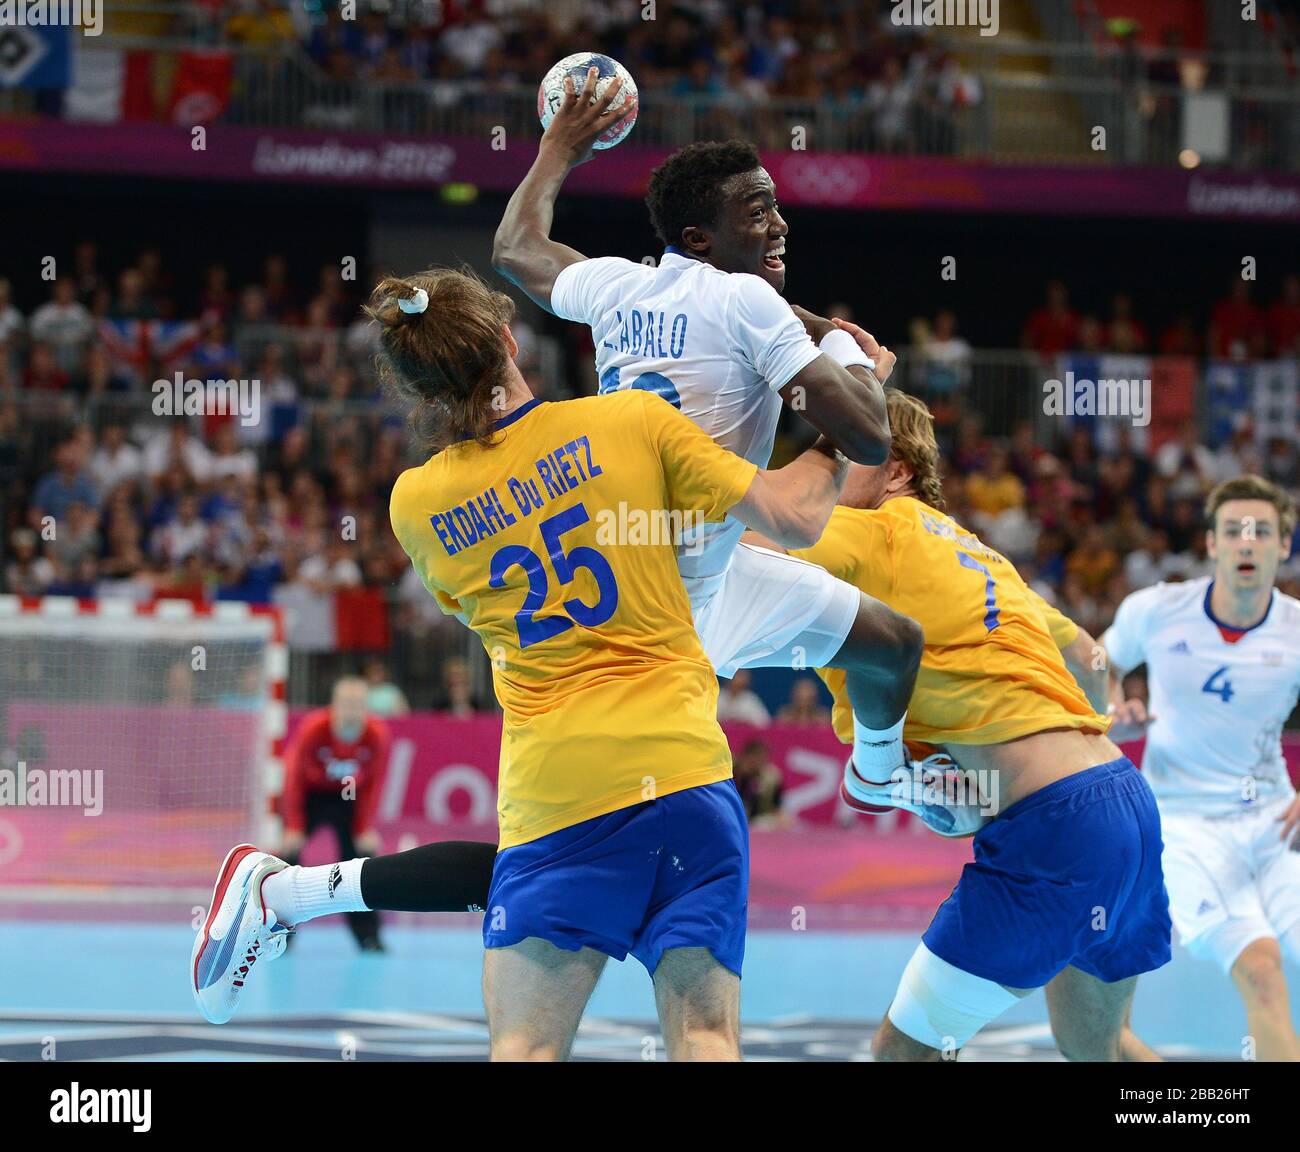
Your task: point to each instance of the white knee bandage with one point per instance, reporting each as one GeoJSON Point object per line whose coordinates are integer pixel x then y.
{"type": "Point", "coordinates": [942, 1006]}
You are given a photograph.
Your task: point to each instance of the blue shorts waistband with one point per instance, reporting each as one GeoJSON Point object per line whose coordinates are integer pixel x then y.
{"type": "Point", "coordinates": [1088, 778]}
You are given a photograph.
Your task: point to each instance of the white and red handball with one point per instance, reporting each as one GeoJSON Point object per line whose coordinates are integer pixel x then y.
{"type": "Point", "coordinates": [550, 95]}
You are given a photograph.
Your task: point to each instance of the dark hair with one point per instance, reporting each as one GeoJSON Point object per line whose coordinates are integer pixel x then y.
{"type": "Point", "coordinates": [686, 189]}
{"type": "Point", "coordinates": [447, 361]}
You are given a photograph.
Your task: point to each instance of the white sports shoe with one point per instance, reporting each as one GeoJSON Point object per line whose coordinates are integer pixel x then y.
{"type": "Point", "coordinates": [240, 930]}
{"type": "Point", "coordinates": [913, 787]}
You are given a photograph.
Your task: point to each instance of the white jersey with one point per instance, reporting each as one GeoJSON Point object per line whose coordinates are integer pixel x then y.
{"type": "Point", "coordinates": [716, 345]}
{"type": "Point", "coordinates": [1215, 745]}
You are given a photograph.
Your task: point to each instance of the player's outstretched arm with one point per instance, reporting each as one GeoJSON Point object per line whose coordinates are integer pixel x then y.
{"type": "Point", "coordinates": [523, 251]}
{"type": "Point", "coordinates": [1085, 659]}
{"type": "Point", "coordinates": [1082, 656]}
{"type": "Point", "coordinates": [791, 505]}
{"type": "Point", "coordinates": [1129, 716]}
{"type": "Point", "coordinates": [844, 403]}
{"type": "Point", "coordinates": [1123, 648]}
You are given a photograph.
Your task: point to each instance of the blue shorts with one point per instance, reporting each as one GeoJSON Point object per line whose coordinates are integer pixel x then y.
{"type": "Point", "coordinates": [1067, 876]}
{"type": "Point", "coordinates": [669, 873]}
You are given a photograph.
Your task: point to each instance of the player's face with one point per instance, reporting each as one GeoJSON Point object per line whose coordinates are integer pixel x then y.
{"type": "Point", "coordinates": [1246, 544]}
{"type": "Point", "coordinates": [348, 711]}
{"type": "Point", "coordinates": [750, 233]}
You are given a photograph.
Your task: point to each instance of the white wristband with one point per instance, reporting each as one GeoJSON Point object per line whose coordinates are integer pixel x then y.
{"type": "Point", "coordinates": [843, 349]}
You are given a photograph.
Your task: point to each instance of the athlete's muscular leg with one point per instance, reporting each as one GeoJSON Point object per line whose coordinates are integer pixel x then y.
{"type": "Point", "coordinates": [1258, 975]}
{"type": "Point", "coordinates": [1090, 1018]}
{"type": "Point", "coordinates": [891, 1045]}
{"type": "Point", "coordinates": [1133, 1050]}
{"type": "Point", "coordinates": [699, 1006]}
{"type": "Point", "coordinates": [880, 657]}
{"type": "Point", "coordinates": [534, 994]}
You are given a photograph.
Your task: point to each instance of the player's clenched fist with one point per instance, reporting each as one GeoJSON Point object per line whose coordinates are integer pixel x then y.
{"type": "Point", "coordinates": [882, 356]}
{"type": "Point", "coordinates": [582, 118]}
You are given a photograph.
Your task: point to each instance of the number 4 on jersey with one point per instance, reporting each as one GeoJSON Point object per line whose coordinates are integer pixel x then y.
{"type": "Point", "coordinates": [1223, 689]}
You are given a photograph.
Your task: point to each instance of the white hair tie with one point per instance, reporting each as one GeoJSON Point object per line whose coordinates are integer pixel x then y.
{"type": "Point", "coordinates": [416, 304]}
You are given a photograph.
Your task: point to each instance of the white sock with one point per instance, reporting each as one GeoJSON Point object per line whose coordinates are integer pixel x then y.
{"type": "Point", "coordinates": [296, 894]}
{"type": "Point", "coordinates": [878, 754]}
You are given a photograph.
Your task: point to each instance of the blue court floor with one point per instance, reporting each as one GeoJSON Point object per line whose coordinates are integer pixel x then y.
{"type": "Point", "coordinates": [118, 991]}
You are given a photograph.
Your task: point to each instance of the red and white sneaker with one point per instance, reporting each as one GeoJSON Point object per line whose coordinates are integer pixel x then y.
{"type": "Point", "coordinates": [914, 787]}
{"type": "Point", "coordinates": [239, 932]}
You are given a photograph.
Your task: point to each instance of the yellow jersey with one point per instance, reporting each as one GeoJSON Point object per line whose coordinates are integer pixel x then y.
{"type": "Point", "coordinates": [557, 546]}
{"type": "Point", "coordinates": [1063, 630]}
{"type": "Point", "coordinates": [992, 669]}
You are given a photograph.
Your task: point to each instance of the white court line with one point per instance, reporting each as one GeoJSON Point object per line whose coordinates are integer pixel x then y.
{"type": "Point", "coordinates": [1015, 1034]}
{"type": "Point", "coordinates": [403, 1019]}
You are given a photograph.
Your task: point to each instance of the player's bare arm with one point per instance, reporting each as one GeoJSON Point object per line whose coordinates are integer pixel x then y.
{"type": "Point", "coordinates": [846, 404]}
{"type": "Point", "coordinates": [790, 506]}
{"type": "Point", "coordinates": [523, 251]}
{"type": "Point", "coordinates": [1128, 714]}
{"type": "Point", "coordinates": [1080, 657]}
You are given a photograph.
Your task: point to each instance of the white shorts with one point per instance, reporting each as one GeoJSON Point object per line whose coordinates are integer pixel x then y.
{"type": "Point", "coordinates": [1231, 880]}
{"type": "Point", "coordinates": [773, 611]}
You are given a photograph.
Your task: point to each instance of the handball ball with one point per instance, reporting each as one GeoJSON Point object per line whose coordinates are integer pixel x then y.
{"type": "Point", "coordinates": [550, 96]}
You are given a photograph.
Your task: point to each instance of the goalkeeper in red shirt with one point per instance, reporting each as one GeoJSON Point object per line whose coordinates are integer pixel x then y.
{"type": "Point", "coordinates": [333, 774]}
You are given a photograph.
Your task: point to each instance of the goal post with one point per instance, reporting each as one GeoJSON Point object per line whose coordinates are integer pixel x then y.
{"type": "Point", "coordinates": [138, 742]}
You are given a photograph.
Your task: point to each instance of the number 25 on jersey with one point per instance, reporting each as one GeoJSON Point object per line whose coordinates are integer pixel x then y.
{"type": "Point", "coordinates": [532, 628]}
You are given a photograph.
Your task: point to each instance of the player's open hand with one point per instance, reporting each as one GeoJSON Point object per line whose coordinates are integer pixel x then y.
{"type": "Point", "coordinates": [578, 123]}
{"type": "Point", "coordinates": [871, 347]}
{"type": "Point", "coordinates": [1290, 821]}
{"type": "Point", "coordinates": [1129, 719]}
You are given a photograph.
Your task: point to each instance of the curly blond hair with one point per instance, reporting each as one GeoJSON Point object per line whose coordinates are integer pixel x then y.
{"type": "Point", "coordinates": [911, 440]}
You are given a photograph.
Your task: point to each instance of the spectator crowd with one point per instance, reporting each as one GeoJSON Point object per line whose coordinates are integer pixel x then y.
{"type": "Point", "coordinates": [1240, 327]}
{"type": "Point", "coordinates": [890, 87]}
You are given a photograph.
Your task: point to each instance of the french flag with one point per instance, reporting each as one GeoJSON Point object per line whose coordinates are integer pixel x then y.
{"type": "Point", "coordinates": [111, 86]}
